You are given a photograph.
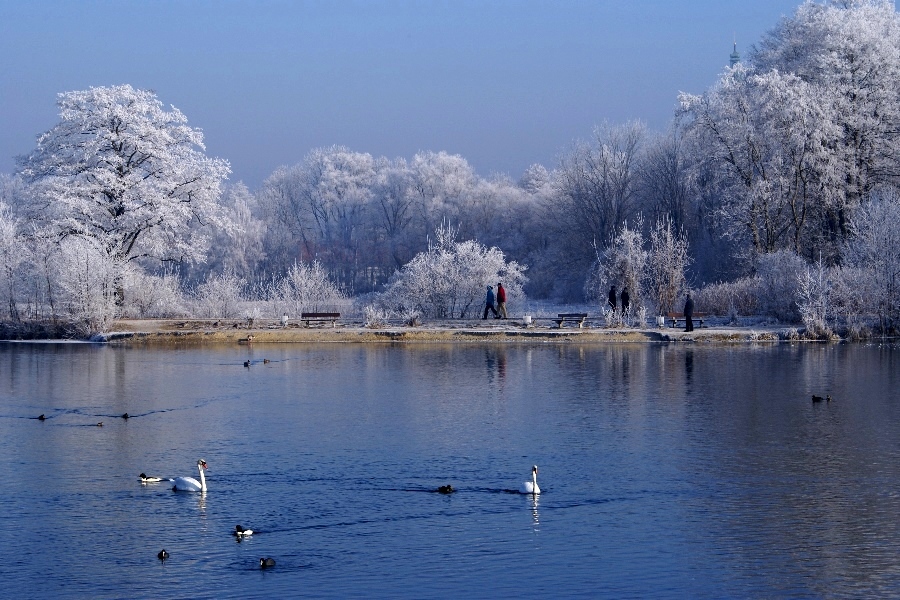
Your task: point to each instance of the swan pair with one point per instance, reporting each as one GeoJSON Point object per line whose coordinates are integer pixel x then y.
{"type": "Point", "coordinates": [189, 484]}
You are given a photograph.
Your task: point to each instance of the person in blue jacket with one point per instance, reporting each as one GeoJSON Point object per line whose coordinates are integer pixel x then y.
{"type": "Point", "coordinates": [489, 303]}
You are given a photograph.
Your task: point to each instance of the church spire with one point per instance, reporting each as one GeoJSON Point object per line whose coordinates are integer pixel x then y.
{"type": "Point", "coordinates": [735, 57]}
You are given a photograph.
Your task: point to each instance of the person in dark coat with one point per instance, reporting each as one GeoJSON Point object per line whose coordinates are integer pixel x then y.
{"type": "Point", "coordinates": [489, 303]}
{"type": "Point", "coordinates": [625, 300]}
{"type": "Point", "coordinates": [689, 313]}
{"type": "Point", "coordinates": [612, 298]}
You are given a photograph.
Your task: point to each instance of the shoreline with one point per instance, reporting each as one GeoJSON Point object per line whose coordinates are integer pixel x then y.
{"type": "Point", "coordinates": [200, 332]}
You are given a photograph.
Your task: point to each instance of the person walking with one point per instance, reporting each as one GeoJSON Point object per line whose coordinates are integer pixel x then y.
{"type": "Point", "coordinates": [625, 300]}
{"type": "Point", "coordinates": [612, 298]}
{"type": "Point", "coordinates": [489, 303]}
{"type": "Point", "coordinates": [501, 300]}
{"type": "Point", "coordinates": [689, 313]}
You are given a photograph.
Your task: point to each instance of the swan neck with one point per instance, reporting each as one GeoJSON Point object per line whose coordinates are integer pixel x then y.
{"type": "Point", "coordinates": [202, 479]}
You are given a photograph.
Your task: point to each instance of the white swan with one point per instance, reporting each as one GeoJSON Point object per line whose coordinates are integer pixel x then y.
{"type": "Point", "coordinates": [189, 484]}
{"type": "Point", "coordinates": [531, 487]}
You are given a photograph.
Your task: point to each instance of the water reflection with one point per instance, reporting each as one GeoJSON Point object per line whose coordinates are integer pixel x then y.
{"type": "Point", "coordinates": [704, 471]}
{"type": "Point", "coordinates": [688, 365]}
{"type": "Point", "coordinates": [535, 516]}
{"type": "Point", "coordinates": [495, 363]}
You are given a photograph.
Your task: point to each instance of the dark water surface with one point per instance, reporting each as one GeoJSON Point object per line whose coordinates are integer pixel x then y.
{"type": "Point", "coordinates": [667, 471]}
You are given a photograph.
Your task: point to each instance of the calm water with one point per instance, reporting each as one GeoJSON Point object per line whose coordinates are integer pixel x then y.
{"type": "Point", "coordinates": [667, 470]}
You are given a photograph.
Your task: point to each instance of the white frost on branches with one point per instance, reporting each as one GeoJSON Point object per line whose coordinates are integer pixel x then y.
{"type": "Point", "coordinates": [450, 279]}
{"type": "Point", "coordinates": [125, 175]}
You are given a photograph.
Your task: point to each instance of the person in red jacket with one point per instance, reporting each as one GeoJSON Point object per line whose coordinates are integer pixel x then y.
{"type": "Point", "coordinates": [501, 300]}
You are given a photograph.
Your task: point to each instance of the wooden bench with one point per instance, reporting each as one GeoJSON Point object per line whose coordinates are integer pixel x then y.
{"type": "Point", "coordinates": [675, 318]}
{"type": "Point", "coordinates": [309, 317]}
{"type": "Point", "coordinates": [570, 318]}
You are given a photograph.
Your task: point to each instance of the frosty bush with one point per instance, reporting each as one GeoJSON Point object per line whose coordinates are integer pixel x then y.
{"type": "Point", "coordinates": [154, 296]}
{"type": "Point", "coordinates": [850, 296]}
{"type": "Point", "coordinates": [621, 264]}
{"type": "Point", "coordinates": [813, 288]}
{"type": "Point", "coordinates": [779, 274]}
{"type": "Point", "coordinates": [219, 297]}
{"type": "Point", "coordinates": [875, 250]}
{"type": "Point", "coordinates": [307, 287]}
{"type": "Point", "coordinates": [86, 280]}
{"type": "Point", "coordinates": [666, 264]}
{"type": "Point", "coordinates": [732, 298]}
{"type": "Point", "coordinates": [375, 318]}
{"type": "Point", "coordinates": [450, 279]}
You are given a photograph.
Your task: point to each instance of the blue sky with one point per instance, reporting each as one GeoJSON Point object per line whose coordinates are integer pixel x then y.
{"type": "Point", "coordinates": [505, 84]}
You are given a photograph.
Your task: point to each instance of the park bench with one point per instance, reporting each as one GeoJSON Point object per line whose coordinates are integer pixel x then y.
{"type": "Point", "coordinates": [677, 319]}
{"type": "Point", "coordinates": [570, 318]}
{"type": "Point", "coordinates": [309, 317]}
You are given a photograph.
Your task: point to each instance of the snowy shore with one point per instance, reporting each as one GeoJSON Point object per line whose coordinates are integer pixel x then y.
{"type": "Point", "coordinates": [189, 332]}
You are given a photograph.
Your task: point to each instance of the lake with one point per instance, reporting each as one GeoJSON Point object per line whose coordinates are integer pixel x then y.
{"type": "Point", "coordinates": [667, 470]}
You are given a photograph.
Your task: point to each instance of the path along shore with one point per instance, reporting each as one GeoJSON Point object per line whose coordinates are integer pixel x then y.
{"type": "Point", "coordinates": [191, 332]}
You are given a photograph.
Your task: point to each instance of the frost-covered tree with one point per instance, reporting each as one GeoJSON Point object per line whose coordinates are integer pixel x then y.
{"type": "Point", "coordinates": [849, 52]}
{"type": "Point", "coordinates": [778, 275]}
{"type": "Point", "coordinates": [666, 264]}
{"type": "Point", "coordinates": [813, 298]}
{"type": "Point", "coordinates": [126, 176]}
{"type": "Point", "coordinates": [324, 206]}
{"type": "Point", "coordinates": [12, 254]}
{"type": "Point", "coordinates": [393, 194]}
{"type": "Point", "coordinates": [663, 181]}
{"type": "Point", "coordinates": [764, 139]}
{"type": "Point", "coordinates": [597, 185]}
{"type": "Point", "coordinates": [794, 139]}
{"type": "Point", "coordinates": [875, 249]}
{"type": "Point", "coordinates": [154, 296]}
{"type": "Point", "coordinates": [440, 183]}
{"type": "Point", "coordinates": [238, 248]}
{"type": "Point", "coordinates": [623, 264]}
{"type": "Point", "coordinates": [85, 278]}
{"type": "Point", "coordinates": [449, 279]}
{"type": "Point", "coordinates": [307, 287]}
{"type": "Point", "coordinates": [220, 296]}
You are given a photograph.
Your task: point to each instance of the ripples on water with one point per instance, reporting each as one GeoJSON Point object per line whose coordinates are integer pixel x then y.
{"type": "Point", "coordinates": [667, 471]}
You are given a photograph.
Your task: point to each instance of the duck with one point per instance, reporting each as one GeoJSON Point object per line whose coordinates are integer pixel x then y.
{"type": "Point", "coordinates": [446, 489]}
{"type": "Point", "coordinates": [126, 416]}
{"type": "Point", "coordinates": [240, 532]}
{"type": "Point", "coordinates": [42, 417]}
{"type": "Point", "coordinates": [265, 361]}
{"type": "Point", "coordinates": [100, 424]}
{"type": "Point", "coordinates": [531, 487]}
{"type": "Point", "coordinates": [162, 555]}
{"type": "Point", "coordinates": [145, 479]}
{"type": "Point", "coordinates": [265, 563]}
{"type": "Point", "coordinates": [247, 363]}
{"type": "Point", "coordinates": [828, 398]}
{"type": "Point", "coordinates": [817, 398]}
